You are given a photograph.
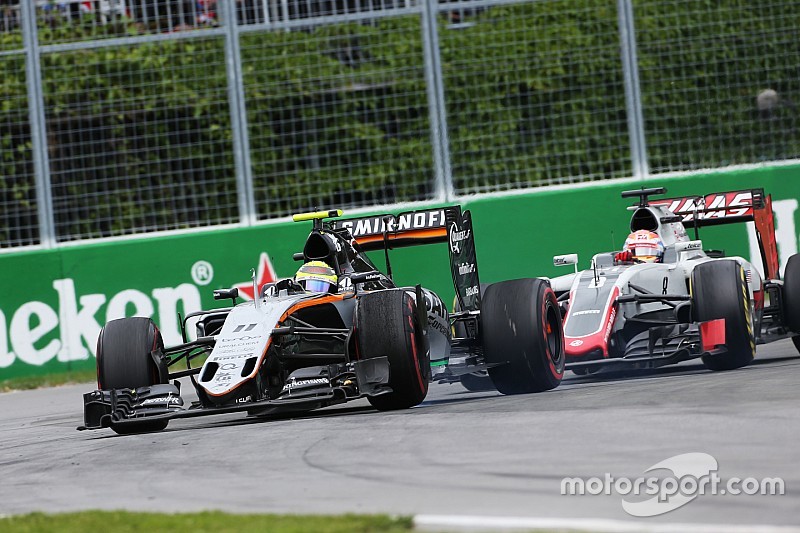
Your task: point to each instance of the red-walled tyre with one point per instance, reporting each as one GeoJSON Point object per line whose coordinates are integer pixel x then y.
{"type": "Point", "coordinates": [521, 328]}
{"type": "Point", "coordinates": [387, 325]}
{"type": "Point", "coordinates": [791, 297]}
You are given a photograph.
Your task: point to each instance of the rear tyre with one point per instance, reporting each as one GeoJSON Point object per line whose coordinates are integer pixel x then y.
{"type": "Point", "coordinates": [387, 325]}
{"type": "Point", "coordinates": [124, 362]}
{"type": "Point", "coordinates": [719, 290]}
{"type": "Point", "coordinates": [522, 328]}
{"type": "Point", "coordinates": [791, 296]}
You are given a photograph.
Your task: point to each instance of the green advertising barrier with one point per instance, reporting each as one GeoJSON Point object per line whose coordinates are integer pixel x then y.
{"type": "Point", "coordinates": [54, 302]}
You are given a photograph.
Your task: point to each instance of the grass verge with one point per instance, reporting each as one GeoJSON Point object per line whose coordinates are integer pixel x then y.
{"type": "Point", "coordinates": [65, 378]}
{"type": "Point", "coordinates": [217, 522]}
{"type": "Point", "coordinates": [47, 380]}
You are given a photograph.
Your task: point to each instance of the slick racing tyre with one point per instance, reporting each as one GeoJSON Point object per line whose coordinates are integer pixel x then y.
{"type": "Point", "coordinates": [719, 290]}
{"type": "Point", "coordinates": [124, 362]}
{"type": "Point", "coordinates": [791, 297]}
{"type": "Point", "coordinates": [387, 325]}
{"type": "Point", "coordinates": [522, 328]}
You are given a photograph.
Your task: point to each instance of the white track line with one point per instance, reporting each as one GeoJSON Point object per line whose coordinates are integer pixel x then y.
{"type": "Point", "coordinates": [508, 523]}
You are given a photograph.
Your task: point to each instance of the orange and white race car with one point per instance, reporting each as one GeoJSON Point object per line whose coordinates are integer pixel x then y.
{"type": "Point", "coordinates": [339, 330]}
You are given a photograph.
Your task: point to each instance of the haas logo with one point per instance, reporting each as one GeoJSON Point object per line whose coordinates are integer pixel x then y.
{"type": "Point", "coordinates": [716, 205]}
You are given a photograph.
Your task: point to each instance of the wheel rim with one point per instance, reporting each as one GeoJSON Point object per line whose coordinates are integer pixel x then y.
{"type": "Point", "coordinates": [554, 336]}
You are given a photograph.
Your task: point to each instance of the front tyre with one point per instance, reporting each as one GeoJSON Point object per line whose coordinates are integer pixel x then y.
{"type": "Point", "coordinates": [387, 325]}
{"type": "Point", "coordinates": [124, 362]}
{"type": "Point", "coordinates": [521, 329]}
{"type": "Point", "coordinates": [719, 290]}
{"type": "Point", "coordinates": [791, 297]}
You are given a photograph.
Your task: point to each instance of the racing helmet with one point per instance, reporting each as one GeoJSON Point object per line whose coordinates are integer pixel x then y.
{"type": "Point", "coordinates": [317, 276]}
{"type": "Point", "coordinates": [645, 246]}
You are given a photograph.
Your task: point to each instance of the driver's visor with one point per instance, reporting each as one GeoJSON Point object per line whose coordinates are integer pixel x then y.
{"type": "Point", "coordinates": [316, 285]}
{"type": "Point", "coordinates": [642, 250]}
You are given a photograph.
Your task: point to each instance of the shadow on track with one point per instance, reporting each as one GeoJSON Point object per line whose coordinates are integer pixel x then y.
{"type": "Point", "coordinates": [694, 367]}
{"type": "Point", "coordinates": [463, 396]}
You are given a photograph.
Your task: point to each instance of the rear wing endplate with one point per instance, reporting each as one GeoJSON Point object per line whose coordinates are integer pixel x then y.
{"type": "Point", "coordinates": [463, 259]}
{"type": "Point", "coordinates": [426, 226]}
{"type": "Point", "coordinates": [749, 205]}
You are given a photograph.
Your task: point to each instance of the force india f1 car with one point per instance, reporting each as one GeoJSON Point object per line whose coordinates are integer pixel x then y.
{"type": "Point", "coordinates": [691, 304]}
{"type": "Point", "coordinates": [294, 350]}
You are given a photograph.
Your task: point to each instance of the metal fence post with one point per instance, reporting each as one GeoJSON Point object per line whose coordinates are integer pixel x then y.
{"type": "Point", "coordinates": [434, 81]}
{"type": "Point", "coordinates": [38, 124]}
{"type": "Point", "coordinates": [236, 101]}
{"type": "Point", "coordinates": [633, 94]}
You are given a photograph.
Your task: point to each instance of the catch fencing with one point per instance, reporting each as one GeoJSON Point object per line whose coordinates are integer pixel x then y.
{"type": "Point", "coordinates": [122, 117]}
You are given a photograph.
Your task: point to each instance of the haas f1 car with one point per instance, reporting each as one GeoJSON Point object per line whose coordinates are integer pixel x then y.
{"type": "Point", "coordinates": [300, 347]}
{"type": "Point", "coordinates": [689, 303]}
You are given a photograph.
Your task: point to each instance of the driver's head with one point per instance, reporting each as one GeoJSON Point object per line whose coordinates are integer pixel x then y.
{"type": "Point", "coordinates": [317, 276]}
{"type": "Point", "coordinates": [645, 246]}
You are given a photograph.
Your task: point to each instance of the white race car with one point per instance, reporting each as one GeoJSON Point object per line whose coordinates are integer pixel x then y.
{"type": "Point", "coordinates": [688, 303]}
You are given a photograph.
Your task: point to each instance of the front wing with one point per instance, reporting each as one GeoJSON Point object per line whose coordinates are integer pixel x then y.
{"type": "Point", "coordinates": [664, 344]}
{"type": "Point", "coordinates": [120, 407]}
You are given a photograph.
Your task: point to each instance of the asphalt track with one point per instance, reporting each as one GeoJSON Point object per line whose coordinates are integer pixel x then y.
{"type": "Point", "coordinates": [459, 453]}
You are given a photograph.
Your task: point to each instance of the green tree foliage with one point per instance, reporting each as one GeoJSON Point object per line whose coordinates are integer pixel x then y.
{"type": "Point", "coordinates": [338, 116]}
{"type": "Point", "coordinates": [140, 138]}
{"type": "Point", "coordinates": [702, 66]}
{"type": "Point", "coordinates": [534, 96]}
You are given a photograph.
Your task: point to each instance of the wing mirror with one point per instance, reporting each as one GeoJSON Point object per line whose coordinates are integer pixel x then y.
{"type": "Point", "coordinates": [227, 294]}
{"type": "Point", "coordinates": [568, 259]}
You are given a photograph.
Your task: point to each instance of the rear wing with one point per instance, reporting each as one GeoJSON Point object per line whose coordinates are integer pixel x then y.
{"type": "Point", "coordinates": [409, 228]}
{"type": "Point", "coordinates": [750, 205]}
{"type": "Point", "coordinates": [427, 226]}
{"type": "Point", "coordinates": [716, 208]}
